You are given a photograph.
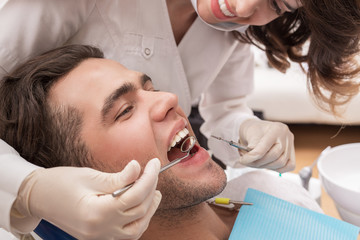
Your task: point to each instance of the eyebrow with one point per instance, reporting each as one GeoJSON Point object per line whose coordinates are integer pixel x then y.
{"type": "Point", "coordinates": [118, 93]}
{"type": "Point", "coordinates": [292, 9]}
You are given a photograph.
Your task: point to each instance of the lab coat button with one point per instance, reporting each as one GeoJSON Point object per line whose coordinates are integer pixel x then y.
{"type": "Point", "coordinates": [147, 51]}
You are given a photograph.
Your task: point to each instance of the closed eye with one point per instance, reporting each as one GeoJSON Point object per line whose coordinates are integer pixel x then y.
{"type": "Point", "coordinates": [274, 6]}
{"type": "Point", "coordinates": [124, 113]}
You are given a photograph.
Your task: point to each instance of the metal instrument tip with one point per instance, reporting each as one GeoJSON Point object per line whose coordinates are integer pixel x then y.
{"type": "Point", "coordinates": [218, 138]}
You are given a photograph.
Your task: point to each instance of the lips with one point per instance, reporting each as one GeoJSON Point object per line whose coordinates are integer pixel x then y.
{"type": "Point", "coordinates": [221, 9]}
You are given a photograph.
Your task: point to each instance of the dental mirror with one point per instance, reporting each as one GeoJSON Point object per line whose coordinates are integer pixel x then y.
{"type": "Point", "coordinates": [185, 147]}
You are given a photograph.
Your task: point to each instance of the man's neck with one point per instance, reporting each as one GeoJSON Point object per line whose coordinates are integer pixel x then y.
{"type": "Point", "coordinates": [197, 222]}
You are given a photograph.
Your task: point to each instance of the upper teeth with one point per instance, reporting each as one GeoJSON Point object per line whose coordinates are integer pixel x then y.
{"type": "Point", "coordinates": [178, 137]}
{"type": "Point", "coordinates": [224, 9]}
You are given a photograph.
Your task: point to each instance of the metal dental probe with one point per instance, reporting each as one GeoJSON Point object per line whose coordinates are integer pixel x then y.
{"type": "Point", "coordinates": [185, 147]}
{"type": "Point", "coordinates": [232, 143]}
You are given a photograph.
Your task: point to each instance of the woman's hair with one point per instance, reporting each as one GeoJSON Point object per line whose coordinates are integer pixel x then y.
{"type": "Point", "coordinates": [45, 135]}
{"type": "Point", "coordinates": [330, 30]}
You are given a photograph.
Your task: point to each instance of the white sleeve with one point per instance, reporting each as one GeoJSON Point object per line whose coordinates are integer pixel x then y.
{"type": "Point", "coordinates": [13, 170]}
{"type": "Point", "coordinates": [28, 28]}
{"type": "Point", "coordinates": [31, 27]}
{"type": "Point", "coordinates": [223, 106]}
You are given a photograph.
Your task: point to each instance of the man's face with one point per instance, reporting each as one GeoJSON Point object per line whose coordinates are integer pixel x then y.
{"type": "Point", "coordinates": [125, 119]}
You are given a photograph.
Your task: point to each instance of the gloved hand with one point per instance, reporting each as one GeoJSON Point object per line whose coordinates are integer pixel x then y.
{"type": "Point", "coordinates": [272, 145]}
{"type": "Point", "coordinates": [79, 200]}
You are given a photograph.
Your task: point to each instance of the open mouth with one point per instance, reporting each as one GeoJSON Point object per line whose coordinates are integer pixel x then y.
{"type": "Point", "coordinates": [224, 9]}
{"type": "Point", "coordinates": [174, 150]}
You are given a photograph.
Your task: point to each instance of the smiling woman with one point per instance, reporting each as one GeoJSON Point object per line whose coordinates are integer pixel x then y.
{"type": "Point", "coordinates": [330, 28]}
{"type": "Point", "coordinates": [330, 31]}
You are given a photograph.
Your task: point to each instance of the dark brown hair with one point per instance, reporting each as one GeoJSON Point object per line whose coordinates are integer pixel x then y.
{"type": "Point", "coordinates": [332, 30]}
{"type": "Point", "coordinates": [45, 135]}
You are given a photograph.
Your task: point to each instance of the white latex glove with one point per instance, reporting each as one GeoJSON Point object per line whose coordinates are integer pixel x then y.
{"type": "Point", "coordinates": [79, 200]}
{"type": "Point", "coordinates": [272, 145]}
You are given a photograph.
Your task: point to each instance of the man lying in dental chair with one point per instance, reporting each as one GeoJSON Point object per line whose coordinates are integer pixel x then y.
{"type": "Point", "coordinates": [78, 105]}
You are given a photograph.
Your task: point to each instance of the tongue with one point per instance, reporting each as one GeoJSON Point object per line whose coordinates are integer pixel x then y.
{"type": "Point", "coordinates": [175, 153]}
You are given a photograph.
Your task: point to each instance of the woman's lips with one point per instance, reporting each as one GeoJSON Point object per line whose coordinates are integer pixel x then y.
{"type": "Point", "coordinates": [215, 7]}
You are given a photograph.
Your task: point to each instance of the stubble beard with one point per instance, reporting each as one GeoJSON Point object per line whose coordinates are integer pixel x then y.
{"type": "Point", "coordinates": [180, 198]}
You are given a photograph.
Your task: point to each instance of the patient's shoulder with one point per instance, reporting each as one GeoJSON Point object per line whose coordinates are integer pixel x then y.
{"type": "Point", "coordinates": [271, 184]}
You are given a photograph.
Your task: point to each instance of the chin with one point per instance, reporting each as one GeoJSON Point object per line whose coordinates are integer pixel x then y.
{"type": "Point", "coordinates": [182, 192]}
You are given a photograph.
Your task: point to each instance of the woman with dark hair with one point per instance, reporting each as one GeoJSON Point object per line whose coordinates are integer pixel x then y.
{"type": "Point", "coordinates": [197, 50]}
{"type": "Point", "coordinates": [331, 28]}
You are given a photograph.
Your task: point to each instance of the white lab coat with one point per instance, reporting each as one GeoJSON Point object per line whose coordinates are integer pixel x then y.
{"type": "Point", "coordinates": [207, 64]}
{"type": "Point", "coordinates": [13, 170]}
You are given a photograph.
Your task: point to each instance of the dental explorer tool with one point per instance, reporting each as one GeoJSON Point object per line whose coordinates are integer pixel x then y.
{"type": "Point", "coordinates": [232, 143]}
{"type": "Point", "coordinates": [185, 147]}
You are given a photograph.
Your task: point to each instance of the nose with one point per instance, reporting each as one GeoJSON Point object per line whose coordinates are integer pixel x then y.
{"type": "Point", "coordinates": [247, 8]}
{"type": "Point", "coordinates": [162, 105]}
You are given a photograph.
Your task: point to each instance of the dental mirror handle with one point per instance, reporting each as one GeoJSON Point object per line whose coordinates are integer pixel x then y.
{"type": "Point", "coordinates": [120, 191]}
{"type": "Point", "coordinates": [167, 166]}
{"type": "Point", "coordinates": [191, 140]}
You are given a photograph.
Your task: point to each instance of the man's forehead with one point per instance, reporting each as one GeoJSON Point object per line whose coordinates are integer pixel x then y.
{"type": "Point", "coordinates": [106, 68]}
{"type": "Point", "coordinates": [100, 75]}
{"type": "Point", "coordinates": [98, 70]}
{"type": "Point", "coordinates": [99, 67]}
